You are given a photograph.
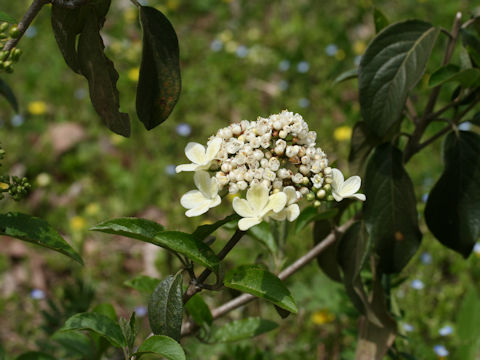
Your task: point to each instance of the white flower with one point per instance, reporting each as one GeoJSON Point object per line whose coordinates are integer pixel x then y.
{"type": "Point", "coordinates": [200, 158]}
{"type": "Point", "coordinates": [345, 189]}
{"type": "Point", "coordinates": [199, 201]}
{"type": "Point", "coordinates": [257, 205]}
{"type": "Point", "coordinates": [291, 211]}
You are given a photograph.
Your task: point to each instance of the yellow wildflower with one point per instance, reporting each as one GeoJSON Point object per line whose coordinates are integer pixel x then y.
{"type": "Point", "coordinates": [78, 223]}
{"type": "Point", "coordinates": [92, 209]}
{"type": "Point", "coordinates": [37, 108]}
{"type": "Point", "coordinates": [342, 133]}
{"type": "Point", "coordinates": [43, 179]}
{"type": "Point", "coordinates": [359, 47]}
{"type": "Point", "coordinates": [130, 15]}
{"type": "Point", "coordinates": [340, 55]}
{"type": "Point", "coordinates": [133, 74]}
{"type": "Point", "coordinates": [4, 186]}
{"type": "Point", "coordinates": [322, 316]}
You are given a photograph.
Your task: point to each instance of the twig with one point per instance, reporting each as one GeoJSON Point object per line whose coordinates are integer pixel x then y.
{"type": "Point", "coordinates": [197, 284]}
{"type": "Point", "coordinates": [435, 137]}
{"type": "Point", "coordinates": [26, 21]}
{"type": "Point", "coordinates": [189, 327]}
{"type": "Point", "coordinates": [411, 112]}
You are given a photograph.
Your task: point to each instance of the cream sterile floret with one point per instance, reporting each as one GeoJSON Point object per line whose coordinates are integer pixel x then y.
{"type": "Point", "coordinates": [201, 159]}
{"type": "Point", "coordinates": [199, 201]}
{"type": "Point", "coordinates": [342, 189]}
{"type": "Point", "coordinates": [270, 164]}
{"type": "Point", "coordinates": [257, 205]}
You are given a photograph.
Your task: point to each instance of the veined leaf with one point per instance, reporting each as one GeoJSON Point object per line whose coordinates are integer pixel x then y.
{"type": "Point", "coordinates": [189, 246]}
{"type": "Point", "coordinates": [143, 283]}
{"type": "Point", "coordinates": [165, 309]}
{"type": "Point", "coordinates": [390, 211]}
{"type": "Point", "coordinates": [37, 231]}
{"type": "Point", "coordinates": [98, 323]}
{"type": "Point", "coordinates": [7, 18]}
{"type": "Point", "coordinates": [452, 212]}
{"type": "Point", "coordinates": [159, 83]}
{"type": "Point", "coordinates": [346, 75]}
{"type": "Point", "coordinates": [362, 143]}
{"type": "Point", "coordinates": [242, 329]}
{"type": "Point", "coordinates": [452, 73]}
{"type": "Point", "coordinates": [199, 311]}
{"type": "Point", "coordinates": [101, 75]}
{"type": "Point", "coordinates": [162, 345]}
{"type": "Point", "coordinates": [392, 65]}
{"type": "Point", "coordinates": [8, 94]}
{"type": "Point", "coordinates": [380, 20]}
{"type": "Point", "coordinates": [203, 231]}
{"type": "Point", "coordinates": [258, 281]}
{"type": "Point", "coordinates": [141, 229]}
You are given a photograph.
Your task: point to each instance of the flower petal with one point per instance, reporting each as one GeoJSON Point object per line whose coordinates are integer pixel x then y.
{"type": "Point", "coordinates": [242, 207]}
{"type": "Point", "coordinates": [257, 197]}
{"type": "Point", "coordinates": [195, 153]}
{"type": "Point", "coordinates": [207, 185]}
{"type": "Point", "coordinates": [192, 199]}
{"type": "Point", "coordinates": [337, 179]}
{"type": "Point", "coordinates": [186, 167]}
{"type": "Point", "coordinates": [199, 210]}
{"type": "Point", "coordinates": [350, 186]}
{"type": "Point", "coordinates": [336, 196]}
{"type": "Point", "coordinates": [276, 202]}
{"type": "Point", "coordinates": [247, 223]}
{"type": "Point", "coordinates": [292, 212]}
{"type": "Point", "coordinates": [360, 197]}
{"type": "Point", "coordinates": [213, 148]}
{"type": "Point", "coordinates": [280, 216]}
{"type": "Point", "coordinates": [291, 194]}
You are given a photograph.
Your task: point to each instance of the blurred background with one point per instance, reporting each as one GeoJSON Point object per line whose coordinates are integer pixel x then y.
{"type": "Point", "coordinates": [239, 60]}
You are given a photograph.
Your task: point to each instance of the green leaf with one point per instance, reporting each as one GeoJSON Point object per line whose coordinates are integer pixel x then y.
{"type": "Point", "coordinates": [8, 94]}
{"type": "Point", "coordinates": [263, 234]}
{"type": "Point", "coordinates": [37, 231]}
{"type": "Point", "coordinates": [380, 20]}
{"type": "Point", "coordinates": [135, 228]}
{"type": "Point", "coordinates": [199, 311]}
{"type": "Point", "coordinates": [452, 73]}
{"type": "Point", "coordinates": [203, 231]}
{"type": "Point", "coordinates": [310, 214]}
{"type": "Point", "coordinates": [452, 212]}
{"type": "Point", "coordinates": [162, 345]}
{"type": "Point", "coordinates": [143, 283]}
{"type": "Point", "coordinates": [346, 75]}
{"type": "Point", "coordinates": [327, 259]}
{"type": "Point", "coordinates": [258, 281]}
{"type": "Point", "coordinates": [159, 82]}
{"type": "Point", "coordinates": [98, 323]}
{"type": "Point", "coordinates": [392, 65]}
{"type": "Point", "coordinates": [468, 319]}
{"type": "Point", "coordinates": [107, 310]}
{"type": "Point", "coordinates": [7, 18]}
{"type": "Point", "coordinates": [35, 355]}
{"type": "Point", "coordinates": [75, 342]}
{"type": "Point", "coordinates": [390, 211]}
{"type": "Point", "coordinates": [165, 308]}
{"type": "Point", "coordinates": [471, 42]}
{"type": "Point", "coordinates": [242, 329]}
{"type": "Point", "coordinates": [361, 144]}
{"type": "Point", "coordinates": [101, 75]}
{"type": "Point", "coordinates": [189, 246]}
{"type": "Point", "coordinates": [129, 330]}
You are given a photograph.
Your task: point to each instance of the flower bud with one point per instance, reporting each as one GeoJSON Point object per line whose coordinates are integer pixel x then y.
{"type": "Point", "coordinates": [14, 32]}
{"type": "Point", "coordinates": [310, 196]}
{"type": "Point", "coordinates": [321, 194]}
{"type": "Point", "coordinates": [317, 203]}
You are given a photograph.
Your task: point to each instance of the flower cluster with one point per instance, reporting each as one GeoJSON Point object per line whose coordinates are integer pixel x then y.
{"type": "Point", "coordinates": [273, 160]}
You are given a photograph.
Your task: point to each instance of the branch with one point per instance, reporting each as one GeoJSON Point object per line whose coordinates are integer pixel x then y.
{"type": "Point", "coordinates": [26, 21]}
{"type": "Point", "coordinates": [189, 327]}
{"type": "Point", "coordinates": [197, 284]}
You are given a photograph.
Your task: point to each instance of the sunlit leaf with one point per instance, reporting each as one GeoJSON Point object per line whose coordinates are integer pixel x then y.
{"type": "Point", "coordinates": [37, 231]}
{"type": "Point", "coordinates": [198, 310]}
{"type": "Point", "coordinates": [258, 281]}
{"type": "Point", "coordinates": [242, 329]}
{"type": "Point", "coordinates": [143, 283]}
{"type": "Point", "coordinates": [165, 308]}
{"type": "Point", "coordinates": [7, 18]}
{"type": "Point", "coordinates": [347, 75]}
{"type": "Point", "coordinates": [141, 229]}
{"type": "Point", "coordinates": [203, 231]}
{"type": "Point", "coordinates": [164, 346]}
{"type": "Point", "coordinates": [452, 73]}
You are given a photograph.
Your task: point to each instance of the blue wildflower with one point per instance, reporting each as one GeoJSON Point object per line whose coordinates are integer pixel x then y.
{"type": "Point", "coordinates": [446, 330]}
{"type": "Point", "coordinates": [140, 311]}
{"type": "Point", "coordinates": [216, 45]}
{"type": "Point", "coordinates": [417, 284]}
{"type": "Point", "coordinates": [17, 120]}
{"type": "Point", "coordinates": [303, 102]}
{"type": "Point", "coordinates": [241, 51]}
{"type": "Point", "coordinates": [440, 350]}
{"type": "Point", "coordinates": [303, 67]}
{"type": "Point", "coordinates": [284, 65]}
{"type": "Point", "coordinates": [465, 126]}
{"type": "Point", "coordinates": [37, 294]}
{"type": "Point", "coordinates": [331, 50]}
{"type": "Point", "coordinates": [283, 85]}
{"type": "Point", "coordinates": [170, 169]}
{"type": "Point", "coordinates": [183, 129]}
{"type": "Point", "coordinates": [426, 258]}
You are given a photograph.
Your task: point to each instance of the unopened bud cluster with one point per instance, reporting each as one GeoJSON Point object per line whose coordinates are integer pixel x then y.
{"type": "Point", "coordinates": [16, 187]}
{"type": "Point", "coordinates": [274, 160]}
{"type": "Point", "coordinates": [8, 57]}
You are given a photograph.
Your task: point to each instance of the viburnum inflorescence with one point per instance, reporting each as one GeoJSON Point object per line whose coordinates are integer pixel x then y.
{"type": "Point", "coordinates": [274, 161]}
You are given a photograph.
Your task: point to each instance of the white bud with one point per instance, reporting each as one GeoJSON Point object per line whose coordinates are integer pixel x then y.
{"type": "Point", "coordinates": [304, 169]}
{"type": "Point", "coordinates": [226, 167]}
{"type": "Point", "coordinates": [277, 125]}
{"type": "Point", "coordinates": [245, 124]}
{"type": "Point", "coordinates": [236, 129]}
{"type": "Point", "coordinates": [304, 190]}
{"type": "Point", "coordinates": [242, 185]}
{"type": "Point", "coordinates": [310, 151]}
{"type": "Point", "coordinates": [258, 154]}
{"type": "Point", "coordinates": [297, 178]}
{"type": "Point", "coordinates": [266, 183]}
{"type": "Point", "coordinates": [274, 164]}
{"type": "Point", "coordinates": [264, 163]}
{"type": "Point", "coordinates": [283, 173]}
{"type": "Point", "coordinates": [268, 155]}
{"type": "Point", "coordinates": [277, 184]}
{"type": "Point", "coordinates": [327, 171]}
{"type": "Point", "coordinates": [269, 175]}
{"type": "Point", "coordinates": [233, 188]}
{"type": "Point", "coordinates": [282, 134]}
